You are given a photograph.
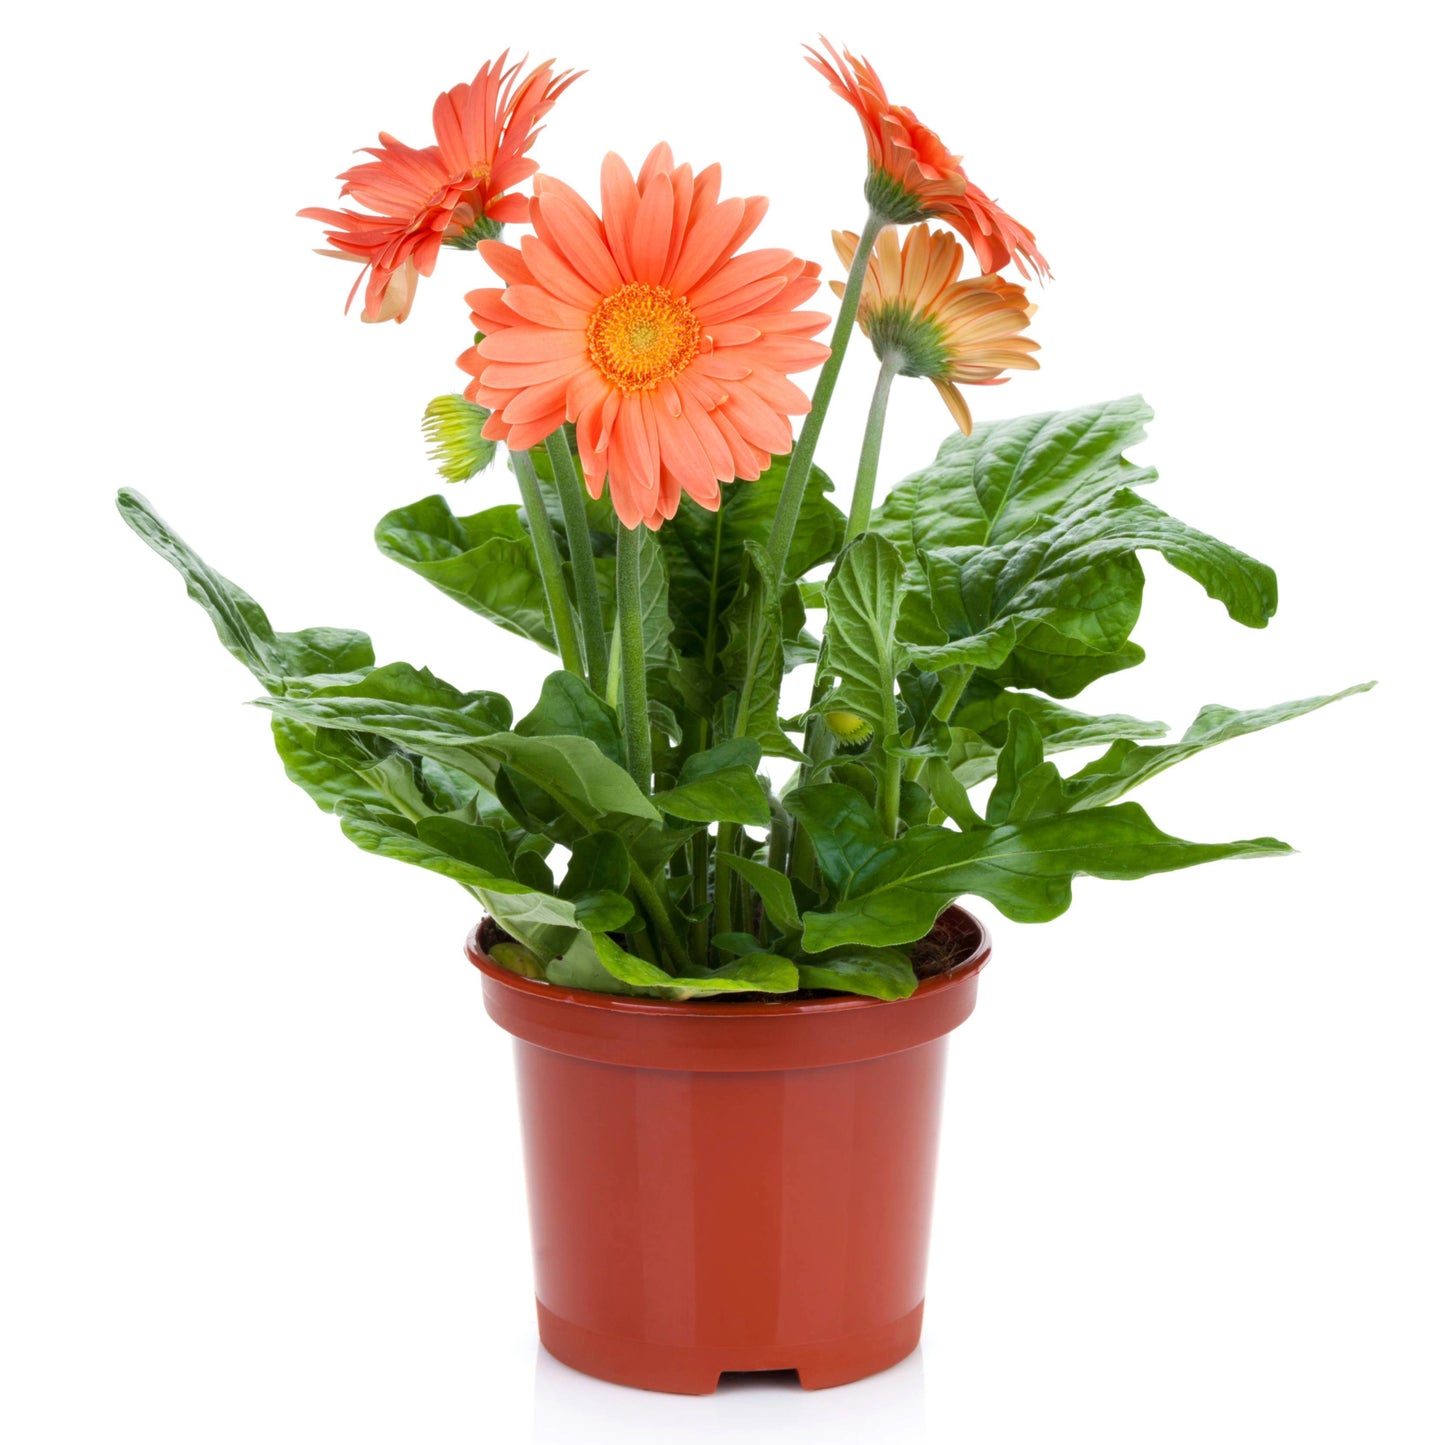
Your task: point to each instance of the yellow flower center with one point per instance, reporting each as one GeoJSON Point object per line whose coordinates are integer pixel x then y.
{"type": "Point", "coordinates": [641, 335]}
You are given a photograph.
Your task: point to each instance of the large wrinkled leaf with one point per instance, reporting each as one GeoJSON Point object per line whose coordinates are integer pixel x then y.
{"type": "Point", "coordinates": [1001, 481]}
{"type": "Point", "coordinates": [326, 779]}
{"type": "Point", "coordinates": [706, 551]}
{"type": "Point", "coordinates": [752, 661]}
{"type": "Point", "coordinates": [720, 785]}
{"type": "Point", "coordinates": [890, 891]}
{"type": "Point", "coordinates": [485, 561]}
{"type": "Point", "coordinates": [242, 626]}
{"type": "Point", "coordinates": [1031, 524]}
{"type": "Point", "coordinates": [862, 651]}
{"type": "Point", "coordinates": [1073, 591]}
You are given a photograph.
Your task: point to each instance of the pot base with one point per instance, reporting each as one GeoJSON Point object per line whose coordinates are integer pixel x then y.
{"type": "Point", "coordinates": [695, 1369]}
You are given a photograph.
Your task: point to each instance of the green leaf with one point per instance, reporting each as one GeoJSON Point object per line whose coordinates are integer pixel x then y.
{"type": "Point", "coordinates": [1074, 590]}
{"type": "Point", "coordinates": [577, 774]}
{"type": "Point", "coordinates": [771, 886]}
{"type": "Point", "coordinates": [755, 973]}
{"type": "Point", "coordinates": [485, 561]}
{"type": "Point", "coordinates": [739, 944]}
{"type": "Point", "coordinates": [1000, 482]}
{"type": "Point", "coordinates": [240, 623]}
{"type": "Point", "coordinates": [1127, 764]}
{"type": "Point", "coordinates": [864, 594]}
{"type": "Point", "coordinates": [1032, 522]}
{"type": "Point", "coordinates": [720, 785]}
{"type": "Point", "coordinates": [949, 794]}
{"type": "Point", "coordinates": [599, 864]}
{"type": "Point", "coordinates": [985, 709]}
{"type": "Point", "coordinates": [569, 708]}
{"type": "Point", "coordinates": [543, 923]}
{"type": "Point", "coordinates": [326, 779]}
{"type": "Point", "coordinates": [752, 661]}
{"type": "Point", "coordinates": [1021, 774]}
{"type": "Point", "coordinates": [573, 771]}
{"type": "Point", "coordinates": [597, 881]}
{"type": "Point", "coordinates": [657, 650]}
{"type": "Point", "coordinates": [877, 972]}
{"type": "Point", "coordinates": [890, 891]}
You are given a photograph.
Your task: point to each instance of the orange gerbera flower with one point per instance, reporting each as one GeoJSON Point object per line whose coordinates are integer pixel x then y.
{"type": "Point", "coordinates": [912, 175]}
{"type": "Point", "coordinates": [647, 328]}
{"type": "Point", "coordinates": [924, 321]}
{"type": "Point", "coordinates": [454, 193]}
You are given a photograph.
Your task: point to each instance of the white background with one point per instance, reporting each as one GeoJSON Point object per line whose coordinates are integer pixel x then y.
{"type": "Point", "coordinates": [260, 1162]}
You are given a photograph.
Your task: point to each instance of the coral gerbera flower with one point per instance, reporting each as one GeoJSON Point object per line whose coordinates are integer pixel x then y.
{"type": "Point", "coordinates": [647, 328]}
{"type": "Point", "coordinates": [453, 193]}
{"type": "Point", "coordinates": [924, 321]}
{"type": "Point", "coordinates": [913, 176]}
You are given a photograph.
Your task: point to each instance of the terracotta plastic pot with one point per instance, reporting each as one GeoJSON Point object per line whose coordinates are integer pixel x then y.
{"type": "Point", "coordinates": [722, 1186]}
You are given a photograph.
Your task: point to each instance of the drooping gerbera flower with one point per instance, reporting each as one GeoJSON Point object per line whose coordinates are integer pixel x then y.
{"type": "Point", "coordinates": [913, 176]}
{"type": "Point", "coordinates": [924, 321]}
{"type": "Point", "coordinates": [646, 327]}
{"type": "Point", "coordinates": [453, 193]}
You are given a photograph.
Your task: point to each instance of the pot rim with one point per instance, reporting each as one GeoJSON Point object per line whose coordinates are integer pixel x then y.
{"type": "Point", "coordinates": [742, 1008]}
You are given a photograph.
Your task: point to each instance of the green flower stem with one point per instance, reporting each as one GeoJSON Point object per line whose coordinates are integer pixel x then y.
{"type": "Point", "coordinates": [699, 850]}
{"type": "Point", "coordinates": [636, 726]}
{"type": "Point", "coordinates": [817, 744]}
{"type": "Point", "coordinates": [800, 464]}
{"type": "Point", "coordinates": [861, 512]}
{"type": "Point", "coordinates": [673, 947]}
{"type": "Point", "coordinates": [722, 908]}
{"type": "Point", "coordinates": [584, 563]}
{"type": "Point", "coordinates": [889, 788]}
{"type": "Point", "coordinates": [549, 563]}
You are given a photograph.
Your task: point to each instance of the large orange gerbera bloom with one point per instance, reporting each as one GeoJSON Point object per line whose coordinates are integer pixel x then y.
{"type": "Point", "coordinates": [647, 328]}
{"type": "Point", "coordinates": [912, 175]}
{"type": "Point", "coordinates": [453, 193]}
{"type": "Point", "coordinates": [924, 321]}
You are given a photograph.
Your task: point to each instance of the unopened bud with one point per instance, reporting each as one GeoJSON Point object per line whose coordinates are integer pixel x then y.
{"type": "Point", "coordinates": [453, 427]}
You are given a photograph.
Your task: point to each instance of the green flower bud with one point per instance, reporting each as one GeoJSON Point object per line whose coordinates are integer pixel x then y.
{"type": "Point", "coordinates": [850, 729]}
{"type": "Point", "coordinates": [453, 427]}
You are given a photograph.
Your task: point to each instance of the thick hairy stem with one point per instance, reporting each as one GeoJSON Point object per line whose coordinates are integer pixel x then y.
{"type": "Point", "coordinates": [636, 726]}
{"type": "Point", "coordinates": [584, 564]}
{"type": "Point", "coordinates": [549, 564]}
{"type": "Point", "coordinates": [801, 462]}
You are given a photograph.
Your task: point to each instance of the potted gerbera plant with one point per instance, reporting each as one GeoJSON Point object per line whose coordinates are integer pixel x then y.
{"type": "Point", "coordinates": [725, 933]}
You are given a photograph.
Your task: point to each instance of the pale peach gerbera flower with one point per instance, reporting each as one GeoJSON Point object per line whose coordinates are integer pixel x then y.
{"type": "Point", "coordinates": [453, 193]}
{"type": "Point", "coordinates": [646, 328]}
{"type": "Point", "coordinates": [924, 321]}
{"type": "Point", "coordinates": [912, 175]}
